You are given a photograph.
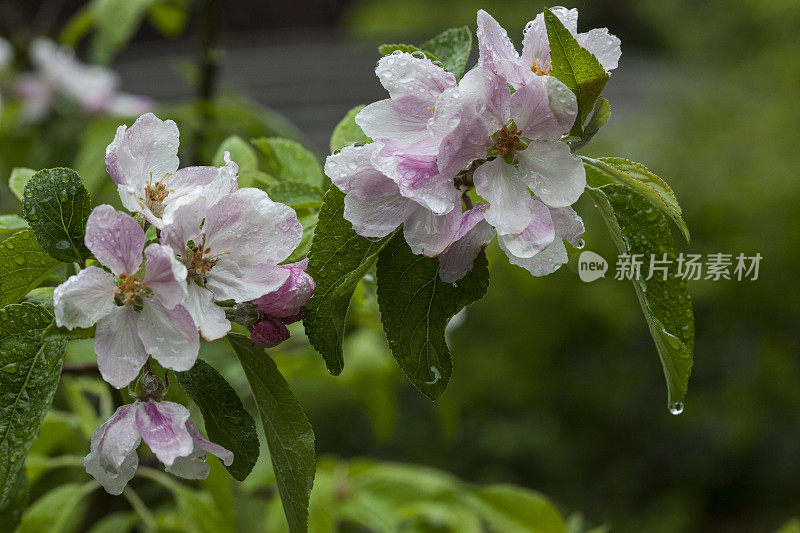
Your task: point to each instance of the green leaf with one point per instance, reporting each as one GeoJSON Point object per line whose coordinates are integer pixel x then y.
{"type": "Point", "coordinates": [169, 18]}
{"type": "Point", "coordinates": [16, 501]}
{"type": "Point", "coordinates": [600, 114]}
{"type": "Point", "coordinates": [452, 47]}
{"type": "Point", "coordinates": [309, 223]}
{"type": "Point", "coordinates": [637, 177]}
{"type": "Point", "coordinates": [510, 509]}
{"type": "Point", "coordinates": [116, 22]}
{"type": "Point", "coordinates": [288, 431]}
{"type": "Point", "coordinates": [638, 228]}
{"type": "Point", "coordinates": [338, 259]}
{"type": "Point", "coordinates": [11, 223]}
{"type": "Point", "coordinates": [386, 49]}
{"type": "Point", "coordinates": [57, 510]}
{"type": "Point", "coordinates": [347, 131]}
{"type": "Point", "coordinates": [23, 264]}
{"type": "Point", "coordinates": [415, 308]}
{"type": "Point", "coordinates": [242, 153]}
{"type": "Point", "coordinates": [575, 67]}
{"type": "Point", "coordinates": [29, 372]}
{"type": "Point", "coordinates": [19, 178]}
{"type": "Point", "coordinates": [227, 421]}
{"type": "Point", "coordinates": [55, 333]}
{"type": "Point", "coordinates": [41, 296]}
{"type": "Point", "coordinates": [56, 205]}
{"type": "Point", "coordinates": [296, 194]}
{"type": "Point", "coordinates": [288, 160]}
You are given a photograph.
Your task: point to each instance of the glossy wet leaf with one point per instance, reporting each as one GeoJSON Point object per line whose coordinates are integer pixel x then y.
{"type": "Point", "coordinates": [290, 437]}
{"type": "Point", "coordinates": [227, 422]}
{"type": "Point", "coordinates": [415, 308]}
{"type": "Point", "coordinates": [606, 170]}
{"type": "Point", "coordinates": [12, 223]}
{"type": "Point", "coordinates": [14, 505]}
{"type": "Point", "coordinates": [56, 206]}
{"type": "Point", "coordinates": [18, 179]}
{"type": "Point", "coordinates": [29, 372]}
{"type": "Point", "coordinates": [23, 265]}
{"type": "Point", "coordinates": [452, 47]}
{"type": "Point", "coordinates": [347, 131]}
{"type": "Point", "coordinates": [575, 67]}
{"type": "Point", "coordinates": [338, 259]}
{"type": "Point", "coordinates": [55, 333]}
{"type": "Point", "coordinates": [637, 227]}
{"type": "Point", "coordinates": [510, 509]}
{"type": "Point", "coordinates": [288, 160]}
{"type": "Point", "coordinates": [296, 194]}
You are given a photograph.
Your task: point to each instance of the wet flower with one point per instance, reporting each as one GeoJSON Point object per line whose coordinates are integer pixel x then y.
{"type": "Point", "coordinates": [375, 206]}
{"type": "Point", "coordinates": [165, 427]}
{"type": "Point", "coordinates": [143, 162]}
{"type": "Point", "coordinates": [497, 53]}
{"type": "Point", "coordinates": [232, 249]}
{"type": "Point", "coordinates": [282, 306]}
{"type": "Point", "coordinates": [137, 313]}
{"type": "Point", "coordinates": [59, 73]}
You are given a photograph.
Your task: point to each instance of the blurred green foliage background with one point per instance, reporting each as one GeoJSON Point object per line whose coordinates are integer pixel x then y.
{"type": "Point", "coordinates": [557, 386]}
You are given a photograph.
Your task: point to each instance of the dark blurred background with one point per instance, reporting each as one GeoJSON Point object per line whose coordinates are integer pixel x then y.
{"type": "Point", "coordinates": [557, 385]}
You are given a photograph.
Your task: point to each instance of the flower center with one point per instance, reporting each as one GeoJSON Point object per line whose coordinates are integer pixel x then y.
{"type": "Point", "coordinates": [130, 289]}
{"type": "Point", "coordinates": [541, 69]}
{"type": "Point", "coordinates": [507, 140]}
{"type": "Point", "coordinates": [155, 194]}
{"type": "Point", "coordinates": [198, 261]}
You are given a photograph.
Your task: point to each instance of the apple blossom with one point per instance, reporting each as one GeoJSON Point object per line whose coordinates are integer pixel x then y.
{"type": "Point", "coordinates": [59, 73]}
{"type": "Point", "coordinates": [165, 427]}
{"type": "Point", "coordinates": [136, 314]}
{"type": "Point", "coordinates": [231, 248]}
{"type": "Point", "coordinates": [143, 161]}
{"type": "Point", "coordinates": [497, 53]}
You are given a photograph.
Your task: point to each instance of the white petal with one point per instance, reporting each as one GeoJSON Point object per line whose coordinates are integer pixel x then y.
{"type": "Point", "coordinates": [544, 108]}
{"type": "Point", "coordinates": [378, 210]}
{"type": "Point", "coordinates": [508, 196]}
{"type": "Point", "coordinates": [170, 336]}
{"type": "Point", "coordinates": [115, 239]}
{"type": "Point", "coordinates": [429, 234]}
{"type": "Point", "coordinates": [163, 427]}
{"type": "Point", "coordinates": [120, 353]}
{"type": "Point", "coordinates": [535, 44]}
{"type": "Point", "coordinates": [82, 300]}
{"type": "Point", "coordinates": [112, 460]}
{"type": "Point", "coordinates": [382, 120]}
{"type": "Point", "coordinates": [567, 224]}
{"type": "Point", "coordinates": [413, 83]}
{"type": "Point", "coordinates": [497, 53]}
{"type": "Point", "coordinates": [536, 237]}
{"type": "Point", "coordinates": [473, 235]}
{"type": "Point", "coordinates": [251, 228]}
{"type": "Point", "coordinates": [193, 466]}
{"type": "Point", "coordinates": [243, 283]}
{"type": "Point", "coordinates": [352, 171]}
{"type": "Point", "coordinates": [207, 316]}
{"type": "Point", "coordinates": [165, 275]}
{"type": "Point", "coordinates": [604, 46]}
{"type": "Point", "coordinates": [552, 172]}
{"type": "Point", "coordinates": [147, 150]}
{"type": "Point", "coordinates": [545, 262]}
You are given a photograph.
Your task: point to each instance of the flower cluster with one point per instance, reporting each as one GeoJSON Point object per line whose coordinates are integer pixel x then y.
{"type": "Point", "coordinates": [499, 130]}
{"type": "Point", "coordinates": [211, 246]}
{"type": "Point", "coordinates": [58, 73]}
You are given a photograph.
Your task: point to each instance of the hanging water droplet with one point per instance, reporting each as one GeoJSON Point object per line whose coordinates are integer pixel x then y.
{"type": "Point", "coordinates": [676, 408]}
{"type": "Point", "coordinates": [580, 244]}
{"type": "Point", "coordinates": [436, 376]}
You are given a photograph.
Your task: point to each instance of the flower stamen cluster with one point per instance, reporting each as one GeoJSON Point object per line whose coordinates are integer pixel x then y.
{"type": "Point", "coordinates": [156, 193]}
{"type": "Point", "coordinates": [131, 290]}
{"type": "Point", "coordinates": [541, 68]}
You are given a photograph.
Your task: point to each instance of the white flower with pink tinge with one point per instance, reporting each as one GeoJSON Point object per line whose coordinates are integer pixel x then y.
{"type": "Point", "coordinates": [143, 162]}
{"type": "Point", "coordinates": [58, 72]}
{"type": "Point", "coordinates": [232, 249]}
{"type": "Point", "coordinates": [136, 314]}
{"type": "Point", "coordinates": [497, 53]}
{"type": "Point", "coordinates": [165, 426]}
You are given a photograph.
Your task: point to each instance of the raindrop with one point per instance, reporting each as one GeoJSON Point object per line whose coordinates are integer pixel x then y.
{"type": "Point", "coordinates": [436, 376]}
{"type": "Point", "coordinates": [62, 245]}
{"type": "Point", "coordinates": [580, 244]}
{"type": "Point", "coordinates": [676, 408]}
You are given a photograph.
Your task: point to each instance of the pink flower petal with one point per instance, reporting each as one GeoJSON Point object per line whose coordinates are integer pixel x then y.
{"type": "Point", "coordinates": [84, 299]}
{"type": "Point", "coordinates": [169, 335]}
{"type": "Point", "coordinates": [115, 239]}
{"type": "Point", "coordinates": [112, 460]}
{"type": "Point", "coordinates": [163, 427]}
{"type": "Point", "coordinates": [120, 353]}
{"type": "Point", "coordinates": [165, 275]}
